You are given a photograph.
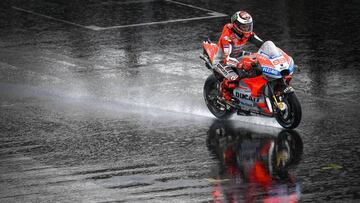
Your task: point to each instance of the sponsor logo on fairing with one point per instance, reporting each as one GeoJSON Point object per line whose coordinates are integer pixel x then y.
{"type": "Point", "coordinates": [270, 71]}
{"type": "Point", "coordinates": [279, 61]}
{"type": "Point", "coordinates": [244, 96]}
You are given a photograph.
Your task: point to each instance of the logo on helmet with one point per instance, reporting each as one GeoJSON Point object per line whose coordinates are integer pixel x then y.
{"type": "Point", "coordinates": [233, 18]}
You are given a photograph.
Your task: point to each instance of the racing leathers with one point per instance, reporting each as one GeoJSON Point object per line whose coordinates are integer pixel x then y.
{"type": "Point", "coordinates": [230, 56]}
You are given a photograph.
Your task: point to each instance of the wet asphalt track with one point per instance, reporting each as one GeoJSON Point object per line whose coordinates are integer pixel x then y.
{"type": "Point", "coordinates": [94, 110]}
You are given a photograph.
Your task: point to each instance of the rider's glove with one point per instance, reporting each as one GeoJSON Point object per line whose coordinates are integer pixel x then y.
{"type": "Point", "coordinates": [246, 63]}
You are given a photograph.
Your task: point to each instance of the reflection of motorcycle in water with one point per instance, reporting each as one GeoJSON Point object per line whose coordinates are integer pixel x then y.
{"type": "Point", "coordinates": [254, 165]}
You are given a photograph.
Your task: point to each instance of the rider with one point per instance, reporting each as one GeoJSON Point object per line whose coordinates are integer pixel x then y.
{"type": "Point", "coordinates": [234, 36]}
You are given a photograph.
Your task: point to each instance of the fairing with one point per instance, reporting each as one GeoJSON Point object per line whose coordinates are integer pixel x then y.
{"type": "Point", "coordinates": [249, 94]}
{"type": "Point", "coordinates": [274, 62]}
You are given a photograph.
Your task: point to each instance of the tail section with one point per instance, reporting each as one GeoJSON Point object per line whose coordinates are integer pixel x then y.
{"type": "Point", "coordinates": [210, 50]}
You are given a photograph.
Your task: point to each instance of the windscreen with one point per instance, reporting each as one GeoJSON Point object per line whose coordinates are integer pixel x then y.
{"type": "Point", "coordinates": [269, 49]}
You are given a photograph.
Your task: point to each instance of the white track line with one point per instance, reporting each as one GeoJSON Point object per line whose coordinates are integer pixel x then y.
{"type": "Point", "coordinates": [191, 6]}
{"type": "Point", "coordinates": [49, 17]}
{"type": "Point", "coordinates": [213, 14]}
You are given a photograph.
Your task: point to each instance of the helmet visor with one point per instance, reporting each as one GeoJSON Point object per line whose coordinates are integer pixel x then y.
{"type": "Point", "coordinates": [244, 27]}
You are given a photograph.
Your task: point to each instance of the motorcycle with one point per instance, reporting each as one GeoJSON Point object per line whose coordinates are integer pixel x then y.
{"type": "Point", "coordinates": [265, 91]}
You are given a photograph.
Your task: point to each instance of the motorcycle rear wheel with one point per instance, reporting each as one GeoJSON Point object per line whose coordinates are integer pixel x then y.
{"type": "Point", "coordinates": [291, 117]}
{"type": "Point", "coordinates": [211, 94]}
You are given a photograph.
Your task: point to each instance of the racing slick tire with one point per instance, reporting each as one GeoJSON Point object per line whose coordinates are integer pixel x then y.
{"type": "Point", "coordinates": [291, 117]}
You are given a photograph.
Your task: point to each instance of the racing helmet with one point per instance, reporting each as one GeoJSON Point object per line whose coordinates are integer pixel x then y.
{"type": "Point", "coordinates": [242, 23]}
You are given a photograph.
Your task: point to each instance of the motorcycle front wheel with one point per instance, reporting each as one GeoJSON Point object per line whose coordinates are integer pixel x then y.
{"type": "Point", "coordinates": [290, 117]}
{"type": "Point", "coordinates": [211, 94]}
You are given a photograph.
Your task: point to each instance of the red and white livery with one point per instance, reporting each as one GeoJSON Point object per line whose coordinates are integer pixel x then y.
{"type": "Point", "coordinates": [266, 91]}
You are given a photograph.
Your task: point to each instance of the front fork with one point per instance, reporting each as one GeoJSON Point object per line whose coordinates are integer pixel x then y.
{"type": "Point", "coordinates": [277, 90]}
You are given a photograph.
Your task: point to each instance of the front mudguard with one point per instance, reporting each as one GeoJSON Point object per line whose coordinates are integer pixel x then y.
{"type": "Point", "coordinates": [288, 90]}
{"type": "Point", "coordinates": [269, 93]}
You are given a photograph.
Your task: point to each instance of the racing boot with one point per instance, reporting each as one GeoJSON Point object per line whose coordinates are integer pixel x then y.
{"type": "Point", "coordinates": [226, 89]}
